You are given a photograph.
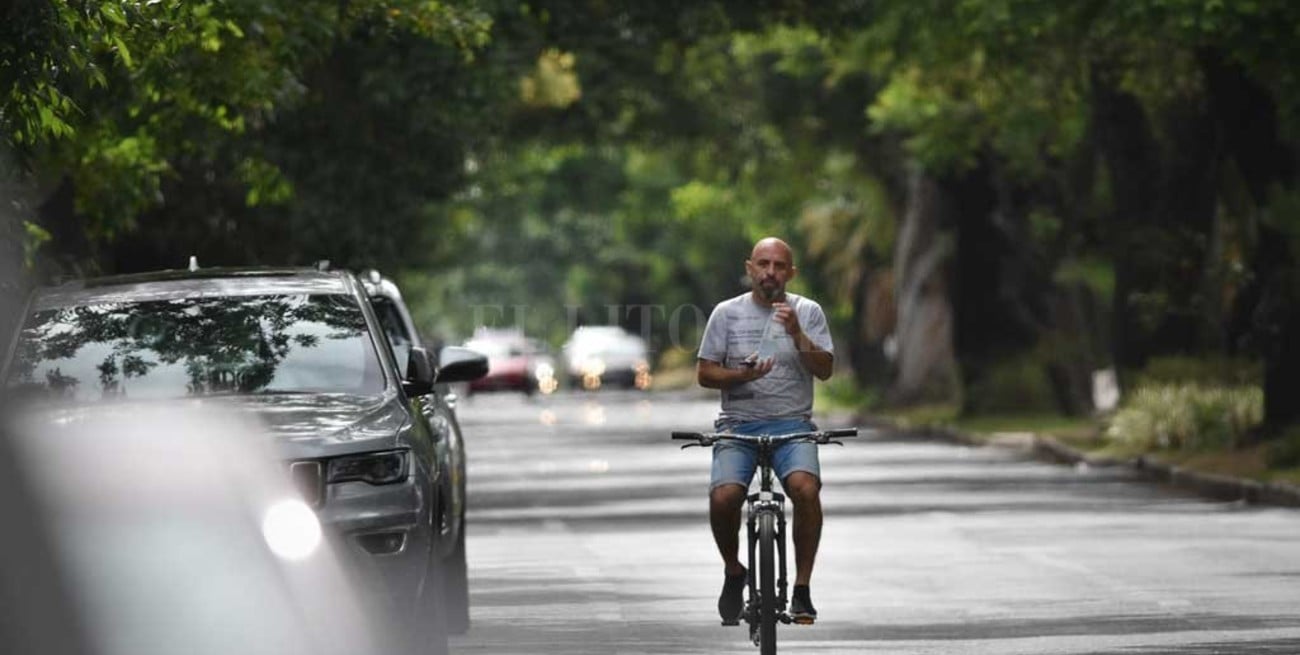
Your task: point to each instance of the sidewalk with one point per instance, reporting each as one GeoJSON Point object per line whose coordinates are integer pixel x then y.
{"type": "Point", "coordinates": [1049, 449]}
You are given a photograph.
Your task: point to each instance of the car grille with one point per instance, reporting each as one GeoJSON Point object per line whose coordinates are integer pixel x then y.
{"type": "Point", "coordinates": [308, 480]}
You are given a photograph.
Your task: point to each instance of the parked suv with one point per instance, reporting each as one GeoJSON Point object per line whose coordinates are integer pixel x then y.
{"type": "Point", "coordinates": [439, 408]}
{"type": "Point", "coordinates": [302, 352]}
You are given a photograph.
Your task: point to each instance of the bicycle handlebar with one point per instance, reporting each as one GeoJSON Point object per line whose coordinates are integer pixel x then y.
{"type": "Point", "coordinates": [819, 436]}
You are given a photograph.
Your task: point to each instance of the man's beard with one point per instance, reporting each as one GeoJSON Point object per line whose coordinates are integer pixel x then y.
{"type": "Point", "coordinates": [770, 292]}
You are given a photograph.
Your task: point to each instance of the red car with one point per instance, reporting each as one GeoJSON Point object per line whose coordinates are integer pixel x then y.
{"type": "Point", "coordinates": [515, 363]}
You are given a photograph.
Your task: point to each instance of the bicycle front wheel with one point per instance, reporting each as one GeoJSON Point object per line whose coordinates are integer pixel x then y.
{"type": "Point", "coordinates": [767, 584]}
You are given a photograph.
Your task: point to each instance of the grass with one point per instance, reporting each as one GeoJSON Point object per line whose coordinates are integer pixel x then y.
{"type": "Point", "coordinates": [1076, 430]}
{"type": "Point", "coordinates": [1084, 430]}
{"type": "Point", "coordinates": [1087, 434]}
{"type": "Point", "coordinates": [944, 415]}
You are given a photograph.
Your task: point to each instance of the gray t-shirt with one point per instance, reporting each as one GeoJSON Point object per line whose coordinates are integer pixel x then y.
{"type": "Point", "coordinates": [733, 333]}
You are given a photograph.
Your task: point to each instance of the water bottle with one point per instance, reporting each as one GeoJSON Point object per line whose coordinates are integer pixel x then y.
{"type": "Point", "coordinates": [770, 343]}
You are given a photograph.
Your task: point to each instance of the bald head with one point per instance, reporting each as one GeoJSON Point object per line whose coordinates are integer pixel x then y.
{"type": "Point", "coordinates": [770, 267]}
{"type": "Point", "coordinates": [772, 245]}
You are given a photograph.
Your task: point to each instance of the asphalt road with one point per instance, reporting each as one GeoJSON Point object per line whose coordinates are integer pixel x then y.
{"type": "Point", "coordinates": [588, 534]}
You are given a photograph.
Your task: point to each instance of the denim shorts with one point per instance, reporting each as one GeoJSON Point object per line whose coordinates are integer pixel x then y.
{"type": "Point", "coordinates": [734, 462]}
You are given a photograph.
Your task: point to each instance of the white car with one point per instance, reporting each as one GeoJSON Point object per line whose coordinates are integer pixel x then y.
{"type": "Point", "coordinates": [604, 355]}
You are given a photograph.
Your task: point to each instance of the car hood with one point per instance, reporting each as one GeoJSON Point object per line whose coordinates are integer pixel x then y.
{"type": "Point", "coordinates": [301, 425]}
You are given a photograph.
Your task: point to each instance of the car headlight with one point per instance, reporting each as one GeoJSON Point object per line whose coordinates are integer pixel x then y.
{"type": "Point", "coordinates": [291, 529]}
{"type": "Point", "coordinates": [376, 468]}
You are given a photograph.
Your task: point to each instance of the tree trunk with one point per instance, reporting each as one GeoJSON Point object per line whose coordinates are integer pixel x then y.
{"type": "Point", "coordinates": [1128, 149]}
{"type": "Point", "coordinates": [1265, 319]}
{"type": "Point", "coordinates": [14, 282]}
{"type": "Point", "coordinates": [926, 365]}
{"type": "Point", "coordinates": [12, 279]}
{"type": "Point", "coordinates": [874, 318]}
{"type": "Point", "coordinates": [1281, 357]}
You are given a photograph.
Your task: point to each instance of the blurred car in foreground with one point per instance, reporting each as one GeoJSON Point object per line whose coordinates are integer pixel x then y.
{"type": "Point", "coordinates": [607, 355]}
{"type": "Point", "coordinates": [301, 352]}
{"type": "Point", "coordinates": [133, 529]}
{"type": "Point", "coordinates": [515, 362]}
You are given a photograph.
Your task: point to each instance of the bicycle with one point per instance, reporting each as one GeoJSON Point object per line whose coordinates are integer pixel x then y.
{"type": "Point", "coordinates": [765, 523]}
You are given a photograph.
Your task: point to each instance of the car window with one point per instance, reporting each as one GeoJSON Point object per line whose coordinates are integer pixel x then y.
{"type": "Point", "coordinates": [179, 347]}
{"type": "Point", "coordinates": [391, 321]}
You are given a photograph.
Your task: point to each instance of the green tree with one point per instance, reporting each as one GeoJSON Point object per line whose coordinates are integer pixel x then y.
{"type": "Point", "coordinates": [125, 108]}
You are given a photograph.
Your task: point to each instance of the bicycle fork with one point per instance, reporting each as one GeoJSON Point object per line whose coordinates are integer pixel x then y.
{"type": "Point", "coordinates": [760, 503]}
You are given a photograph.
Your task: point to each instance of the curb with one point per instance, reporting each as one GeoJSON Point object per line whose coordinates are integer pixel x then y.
{"type": "Point", "coordinates": [1046, 448]}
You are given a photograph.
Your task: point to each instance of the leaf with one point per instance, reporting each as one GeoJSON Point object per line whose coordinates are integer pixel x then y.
{"type": "Point", "coordinates": [123, 51]}
{"type": "Point", "coordinates": [113, 14]}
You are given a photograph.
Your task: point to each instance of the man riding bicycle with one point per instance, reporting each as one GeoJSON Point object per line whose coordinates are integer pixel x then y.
{"type": "Point", "coordinates": [762, 349]}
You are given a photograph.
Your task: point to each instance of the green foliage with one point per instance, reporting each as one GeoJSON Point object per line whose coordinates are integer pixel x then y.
{"type": "Point", "coordinates": [1284, 452]}
{"type": "Point", "coordinates": [1206, 371]}
{"type": "Point", "coordinates": [553, 83]}
{"type": "Point", "coordinates": [130, 100]}
{"type": "Point", "coordinates": [33, 238]}
{"type": "Point", "coordinates": [1095, 273]}
{"type": "Point", "coordinates": [1187, 417]}
{"type": "Point", "coordinates": [571, 155]}
{"type": "Point", "coordinates": [842, 393]}
{"type": "Point", "coordinates": [1019, 384]}
{"type": "Point", "coordinates": [940, 117]}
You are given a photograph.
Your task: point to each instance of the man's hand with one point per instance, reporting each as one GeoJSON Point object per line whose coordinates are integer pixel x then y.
{"type": "Point", "coordinates": [817, 361]}
{"type": "Point", "coordinates": [712, 375]}
{"type": "Point", "coordinates": [754, 368]}
{"type": "Point", "coordinates": [786, 316]}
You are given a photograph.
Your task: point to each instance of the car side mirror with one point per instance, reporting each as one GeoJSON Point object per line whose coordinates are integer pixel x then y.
{"type": "Point", "coordinates": [461, 364]}
{"type": "Point", "coordinates": [419, 373]}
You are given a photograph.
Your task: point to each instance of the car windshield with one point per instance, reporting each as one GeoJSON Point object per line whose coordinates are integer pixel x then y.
{"type": "Point", "coordinates": [496, 348]}
{"type": "Point", "coordinates": [196, 346]}
{"type": "Point", "coordinates": [606, 343]}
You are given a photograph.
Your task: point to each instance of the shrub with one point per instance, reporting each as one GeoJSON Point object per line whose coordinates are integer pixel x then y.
{"type": "Point", "coordinates": [842, 392]}
{"type": "Point", "coordinates": [1187, 417]}
{"type": "Point", "coordinates": [1016, 385]}
{"type": "Point", "coordinates": [1215, 371]}
{"type": "Point", "coordinates": [1285, 451]}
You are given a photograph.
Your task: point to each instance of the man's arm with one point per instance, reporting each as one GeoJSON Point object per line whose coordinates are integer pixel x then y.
{"type": "Point", "coordinates": [712, 375]}
{"type": "Point", "coordinates": [819, 362]}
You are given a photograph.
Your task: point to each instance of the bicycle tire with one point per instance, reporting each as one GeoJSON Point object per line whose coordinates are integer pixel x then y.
{"type": "Point", "coordinates": [767, 584]}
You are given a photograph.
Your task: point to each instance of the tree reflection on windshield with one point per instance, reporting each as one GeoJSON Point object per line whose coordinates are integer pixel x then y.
{"type": "Point", "coordinates": [197, 346]}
